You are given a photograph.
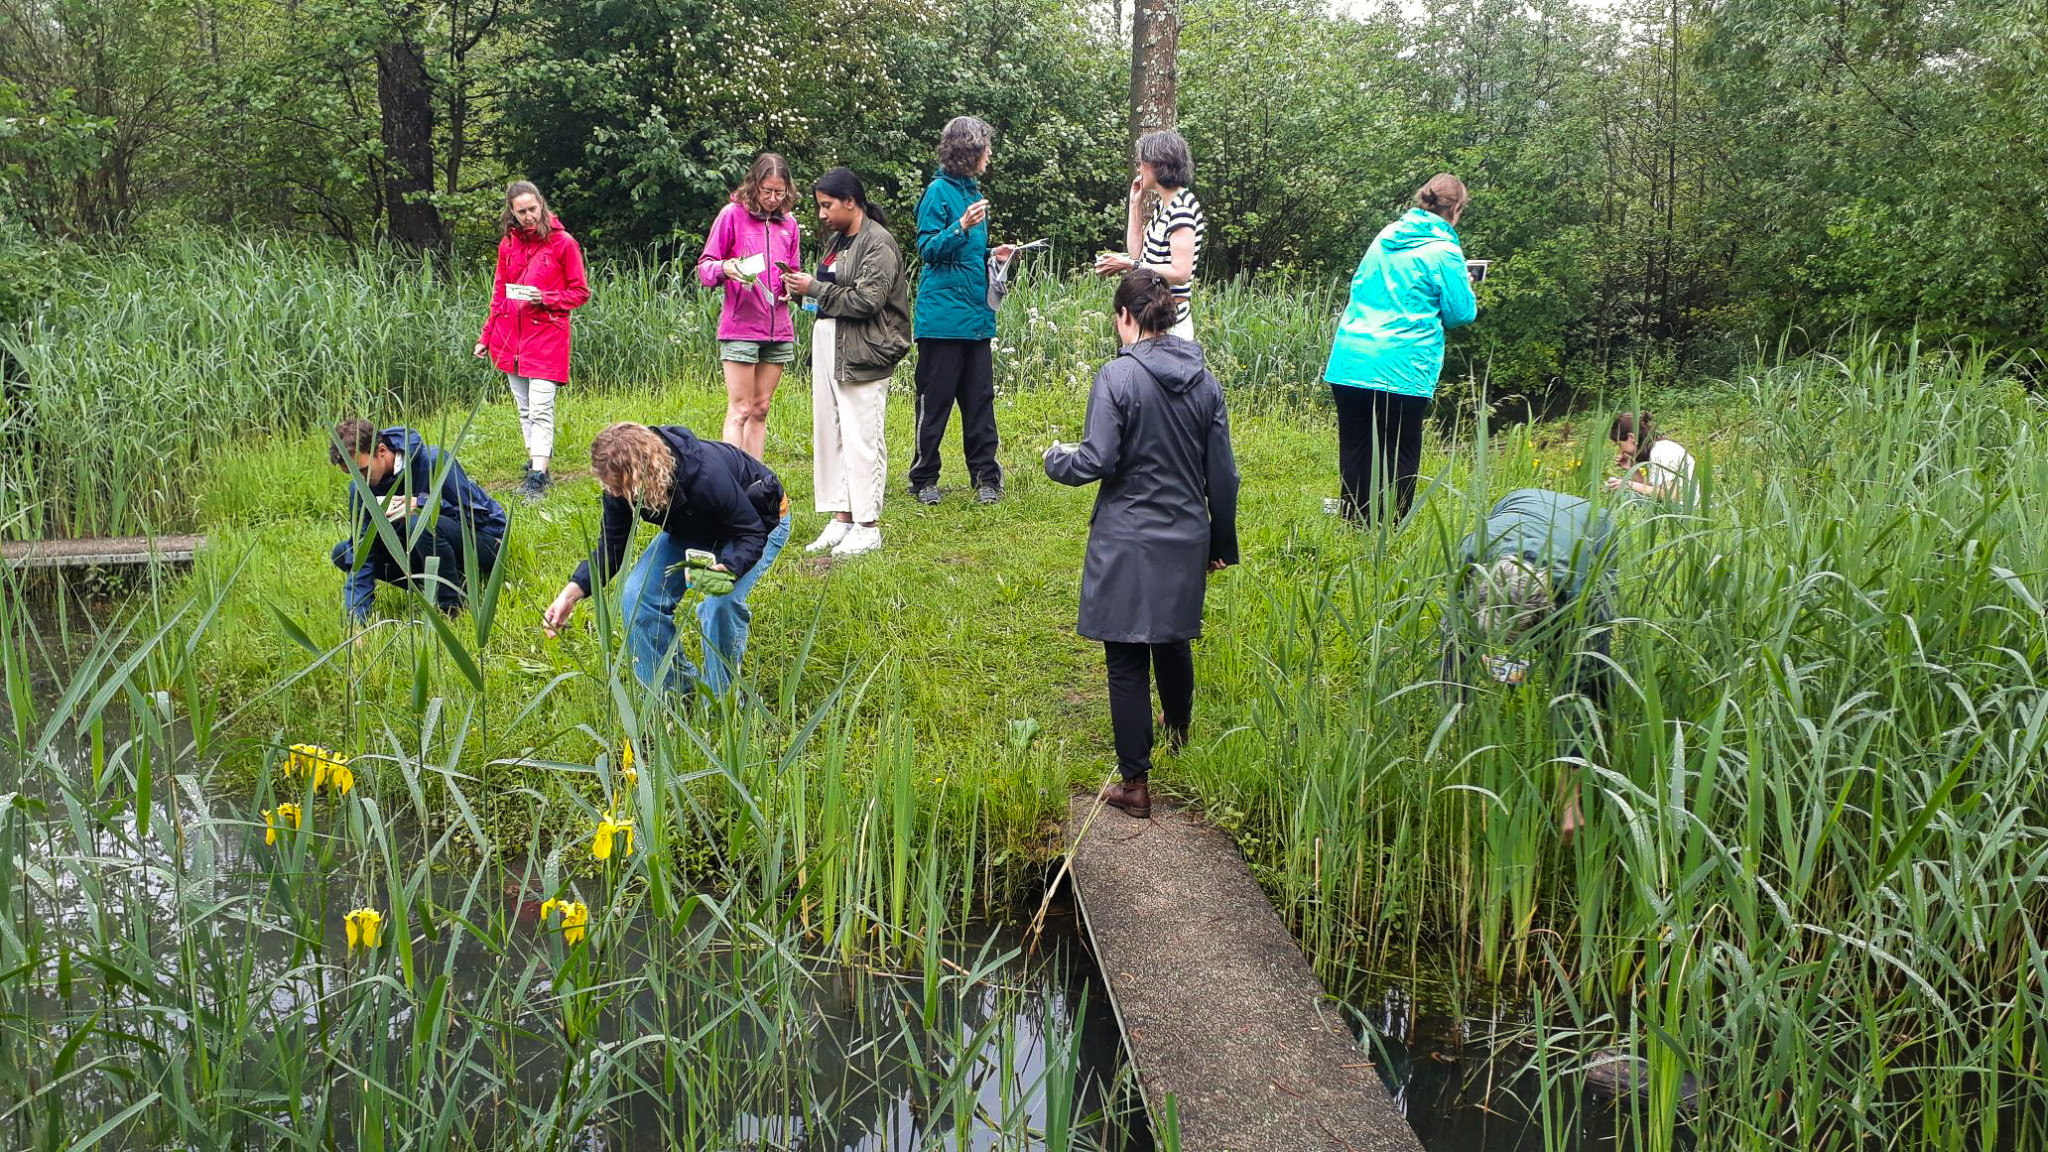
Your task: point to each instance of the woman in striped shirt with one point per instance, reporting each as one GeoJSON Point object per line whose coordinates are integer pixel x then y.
{"type": "Point", "coordinates": [1169, 238]}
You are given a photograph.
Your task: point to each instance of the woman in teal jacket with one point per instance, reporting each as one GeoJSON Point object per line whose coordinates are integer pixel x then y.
{"type": "Point", "coordinates": [1390, 347]}
{"type": "Point", "coordinates": [954, 323]}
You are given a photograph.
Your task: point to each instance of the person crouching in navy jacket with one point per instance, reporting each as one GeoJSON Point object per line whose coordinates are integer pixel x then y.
{"type": "Point", "coordinates": [435, 510]}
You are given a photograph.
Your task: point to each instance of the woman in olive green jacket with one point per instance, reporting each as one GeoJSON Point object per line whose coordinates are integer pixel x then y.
{"type": "Point", "coordinates": [863, 331]}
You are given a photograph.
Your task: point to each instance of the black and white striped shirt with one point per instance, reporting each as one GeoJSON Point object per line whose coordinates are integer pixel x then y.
{"type": "Point", "coordinates": [1168, 217]}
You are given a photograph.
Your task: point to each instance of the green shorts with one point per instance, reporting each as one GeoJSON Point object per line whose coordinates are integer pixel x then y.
{"type": "Point", "coordinates": [757, 351]}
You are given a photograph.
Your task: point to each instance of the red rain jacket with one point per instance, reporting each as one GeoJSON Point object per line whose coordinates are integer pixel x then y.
{"type": "Point", "coordinates": [532, 340]}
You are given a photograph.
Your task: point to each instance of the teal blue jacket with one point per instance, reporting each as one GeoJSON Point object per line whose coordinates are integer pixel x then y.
{"type": "Point", "coordinates": [1408, 289]}
{"type": "Point", "coordinates": [952, 295]}
{"type": "Point", "coordinates": [1566, 534]}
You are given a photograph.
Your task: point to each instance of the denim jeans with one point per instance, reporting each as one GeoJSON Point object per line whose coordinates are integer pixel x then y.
{"type": "Point", "coordinates": [648, 606]}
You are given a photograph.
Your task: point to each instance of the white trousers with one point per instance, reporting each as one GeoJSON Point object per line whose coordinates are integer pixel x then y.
{"type": "Point", "coordinates": [849, 457]}
{"type": "Point", "coordinates": [535, 400]}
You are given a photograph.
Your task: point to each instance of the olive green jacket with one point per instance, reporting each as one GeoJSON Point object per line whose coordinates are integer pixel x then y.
{"type": "Point", "coordinates": [869, 297]}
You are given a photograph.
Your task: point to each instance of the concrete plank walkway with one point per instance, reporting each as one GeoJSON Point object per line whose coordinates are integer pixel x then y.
{"type": "Point", "coordinates": [100, 551]}
{"type": "Point", "coordinates": [1218, 1005]}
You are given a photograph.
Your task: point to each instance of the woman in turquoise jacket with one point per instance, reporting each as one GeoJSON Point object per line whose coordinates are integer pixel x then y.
{"type": "Point", "coordinates": [955, 325]}
{"type": "Point", "coordinates": [1389, 351]}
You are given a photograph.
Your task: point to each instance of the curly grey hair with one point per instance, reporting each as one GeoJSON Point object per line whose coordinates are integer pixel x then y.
{"type": "Point", "coordinates": [961, 144]}
{"type": "Point", "coordinates": [1167, 152]}
{"type": "Point", "coordinates": [1508, 597]}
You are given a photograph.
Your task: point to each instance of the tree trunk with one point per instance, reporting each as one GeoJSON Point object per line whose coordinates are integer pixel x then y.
{"type": "Point", "coordinates": [405, 96]}
{"type": "Point", "coordinates": [1155, 55]}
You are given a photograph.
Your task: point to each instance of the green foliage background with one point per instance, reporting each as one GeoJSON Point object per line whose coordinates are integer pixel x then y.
{"type": "Point", "coordinates": [1662, 186]}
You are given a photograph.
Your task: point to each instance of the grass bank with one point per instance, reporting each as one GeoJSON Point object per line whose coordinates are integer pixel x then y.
{"type": "Point", "coordinates": [148, 363]}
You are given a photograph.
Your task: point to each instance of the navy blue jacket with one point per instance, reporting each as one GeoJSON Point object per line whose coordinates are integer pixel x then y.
{"type": "Point", "coordinates": [461, 500]}
{"type": "Point", "coordinates": [722, 501]}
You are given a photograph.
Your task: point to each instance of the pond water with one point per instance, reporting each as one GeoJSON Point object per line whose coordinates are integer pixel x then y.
{"type": "Point", "coordinates": [1464, 1082]}
{"type": "Point", "coordinates": [856, 1049]}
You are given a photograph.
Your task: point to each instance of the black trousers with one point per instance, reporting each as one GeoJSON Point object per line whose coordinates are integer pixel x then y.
{"type": "Point", "coordinates": [1131, 671]}
{"type": "Point", "coordinates": [443, 542]}
{"type": "Point", "coordinates": [959, 372]}
{"type": "Point", "coordinates": [1379, 446]}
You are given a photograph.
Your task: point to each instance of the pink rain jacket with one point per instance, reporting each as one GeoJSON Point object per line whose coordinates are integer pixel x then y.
{"type": "Point", "coordinates": [532, 340]}
{"type": "Point", "coordinates": [738, 233]}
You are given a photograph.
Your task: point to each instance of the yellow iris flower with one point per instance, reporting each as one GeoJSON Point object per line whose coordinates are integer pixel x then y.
{"type": "Point", "coordinates": [275, 818]}
{"type": "Point", "coordinates": [327, 767]}
{"type": "Point", "coordinates": [365, 927]}
{"type": "Point", "coordinates": [575, 918]}
{"type": "Point", "coordinates": [607, 828]}
{"type": "Point", "coordinates": [626, 771]}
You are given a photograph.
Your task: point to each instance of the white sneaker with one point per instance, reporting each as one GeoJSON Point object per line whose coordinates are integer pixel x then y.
{"type": "Point", "coordinates": [861, 539]}
{"type": "Point", "coordinates": [835, 531]}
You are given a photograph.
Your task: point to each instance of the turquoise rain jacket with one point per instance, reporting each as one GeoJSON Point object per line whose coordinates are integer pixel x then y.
{"type": "Point", "coordinates": [1408, 289]}
{"type": "Point", "coordinates": [952, 295]}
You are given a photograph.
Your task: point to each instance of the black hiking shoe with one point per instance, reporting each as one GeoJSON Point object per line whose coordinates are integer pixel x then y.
{"type": "Point", "coordinates": [927, 495]}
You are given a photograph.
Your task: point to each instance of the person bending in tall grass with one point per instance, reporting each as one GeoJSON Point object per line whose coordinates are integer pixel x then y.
{"type": "Point", "coordinates": [1389, 350]}
{"type": "Point", "coordinates": [863, 331]}
{"type": "Point", "coordinates": [1158, 439]}
{"type": "Point", "coordinates": [437, 513]}
{"type": "Point", "coordinates": [754, 238]}
{"type": "Point", "coordinates": [1656, 466]}
{"type": "Point", "coordinates": [526, 335]}
{"type": "Point", "coordinates": [706, 497]}
{"type": "Point", "coordinates": [1535, 592]}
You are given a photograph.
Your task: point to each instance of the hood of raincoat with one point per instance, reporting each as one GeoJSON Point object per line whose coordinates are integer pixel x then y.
{"type": "Point", "coordinates": [1176, 363]}
{"type": "Point", "coordinates": [1416, 228]}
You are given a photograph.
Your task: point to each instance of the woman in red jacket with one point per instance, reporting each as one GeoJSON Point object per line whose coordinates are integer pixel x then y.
{"type": "Point", "coordinates": [540, 279]}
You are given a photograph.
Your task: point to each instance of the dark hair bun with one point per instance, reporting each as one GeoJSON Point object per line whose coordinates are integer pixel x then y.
{"type": "Point", "coordinates": [1146, 295]}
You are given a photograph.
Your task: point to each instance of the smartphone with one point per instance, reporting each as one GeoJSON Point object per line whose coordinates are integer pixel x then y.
{"type": "Point", "coordinates": [786, 269]}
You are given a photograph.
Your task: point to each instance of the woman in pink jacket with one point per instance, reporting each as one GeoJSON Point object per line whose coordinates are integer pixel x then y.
{"type": "Point", "coordinates": [540, 280]}
{"type": "Point", "coordinates": [749, 242]}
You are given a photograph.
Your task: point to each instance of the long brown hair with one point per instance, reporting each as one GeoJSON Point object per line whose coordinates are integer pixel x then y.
{"type": "Point", "coordinates": [507, 222]}
{"type": "Point", "coordinates": [633, 461]}
{"type": "Point", "coordinates": [748, 194]}
{"type": "Point", "coordinates": [1638, 425]}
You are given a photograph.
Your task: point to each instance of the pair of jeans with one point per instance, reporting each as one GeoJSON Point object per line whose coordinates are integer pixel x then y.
{"type": "Point", "coordinates": [959, 372]}
{"type": "Point", "coordinates": [655, 587]}
{"type": "Point", "coordinates": [443, 542]}
{"type": "Point", "coordinates": [1132, 668]}
{"type": "Point", "coordinates": [1379, 446]}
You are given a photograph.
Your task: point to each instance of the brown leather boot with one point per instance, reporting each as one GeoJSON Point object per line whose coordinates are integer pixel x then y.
{"type": "Point", "coordinates": [1134, 797]}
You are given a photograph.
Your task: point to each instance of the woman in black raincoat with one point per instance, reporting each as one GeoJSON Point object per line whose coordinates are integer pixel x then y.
{"type": "Point", "coordinates": [1158, 438]}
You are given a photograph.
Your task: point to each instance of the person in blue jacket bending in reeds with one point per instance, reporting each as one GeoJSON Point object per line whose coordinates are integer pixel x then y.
{"type": "Point", "coordinates": [1389, 351]}
{"type": "Point", "coordinates": [437, 513]}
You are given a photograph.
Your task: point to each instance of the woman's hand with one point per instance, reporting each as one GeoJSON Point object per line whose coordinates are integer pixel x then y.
{"type": "Point", "coordinates": [525, 292]}
{"type": "Point", "coordinates": [557, 615]}
{"type": "Point", "coordinates": [1138, 189]}
{"type": "Point", "coordinates": [1003, 252]}
{"type": "Point", "coordinates": [1113, 264]}
{"type": "Point", "coordinates": [975, 214]}
{"type": "Point", "coordinates": [1218, 565]}
{"type": "Point", "coordinates": [729, 268]}
{"type": "Point", "coordinates": [797, 283]}
{"type": "Point", "coordinates": [479, 350]}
